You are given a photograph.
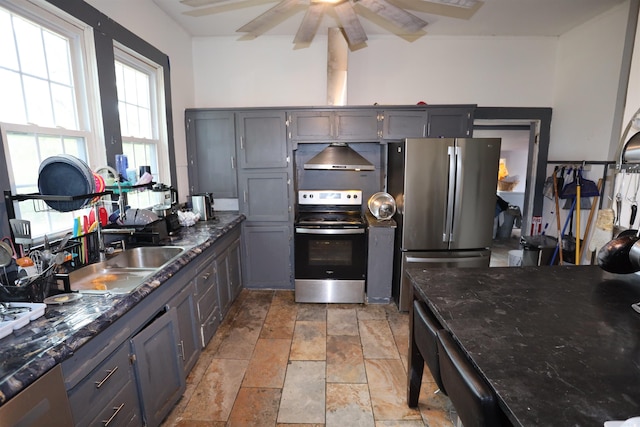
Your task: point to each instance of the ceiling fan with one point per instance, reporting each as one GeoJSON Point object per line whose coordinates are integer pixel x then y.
{"type": "Point", "coordinates": [384, 12]}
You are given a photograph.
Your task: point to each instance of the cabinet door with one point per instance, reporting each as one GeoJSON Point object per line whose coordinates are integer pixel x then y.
{"type": "Point", "coordinates": [189, 344]}
{"type": "Point", "coordinates": [404, 124]}
{"type": "Point", "coordinates": [361, 126]}
{"type": "Point", "coordinates": [449, 122]}
{"type": "Point", "coordinates": [309, 126]}
{"type": "Point", "coordinates": [224, 297]}
{"type": "Point", "coordinates": [211, 153]}
{"type": "Point", "coordinates": [267, 257]}
{"type": "Point", "coordinates": [265, 196]}
{"type": "Point", "coordinates": [234, 270]}
{"type": "Point", "coordinates": [262, 140]}
{"type": "Point", "coordinates": [158, 369]}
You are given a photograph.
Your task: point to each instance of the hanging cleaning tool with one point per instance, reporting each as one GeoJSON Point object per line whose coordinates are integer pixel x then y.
{"type": "Point", "coordinates": [555, 193]}
{"type": "Point", "coordinates": [561, 237]}
{"type": "Point", "coordinates": [591, 211]}
{"type": "Point", "coordinates": [578, 195]}
{"type": "Point", "coordinates": [603, 231]}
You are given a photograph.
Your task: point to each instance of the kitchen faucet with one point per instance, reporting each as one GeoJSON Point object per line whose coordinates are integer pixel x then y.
{"type": "Point", "coordinates": [121, 216]}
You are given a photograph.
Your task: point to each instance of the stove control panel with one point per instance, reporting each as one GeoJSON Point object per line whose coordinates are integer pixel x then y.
{"type": "Point", "coordinates": [329, 197]}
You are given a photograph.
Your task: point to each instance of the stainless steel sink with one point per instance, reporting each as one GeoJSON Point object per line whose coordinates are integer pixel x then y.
{"type": "Point", "coordinates": [123, 272]}
{"type": "Point", "coordinates": [145, 257]}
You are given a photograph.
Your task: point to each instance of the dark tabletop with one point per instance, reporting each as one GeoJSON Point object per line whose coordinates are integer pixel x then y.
{"type": "Point", "coordinates": [559, 345]}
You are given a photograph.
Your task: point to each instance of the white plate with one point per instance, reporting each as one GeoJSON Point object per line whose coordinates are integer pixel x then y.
{"type": "Point", "coordinates": [63, 298]}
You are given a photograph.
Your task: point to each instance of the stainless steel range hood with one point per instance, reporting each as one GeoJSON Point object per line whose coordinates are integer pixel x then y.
{"type": "Point", "coordinates": [339, 156]}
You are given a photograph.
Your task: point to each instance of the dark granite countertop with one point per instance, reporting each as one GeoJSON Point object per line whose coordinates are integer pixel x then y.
{"type": "Point", "coordinates": [560, 345]}
{"type": "Point", "coordinates": [31, 351]}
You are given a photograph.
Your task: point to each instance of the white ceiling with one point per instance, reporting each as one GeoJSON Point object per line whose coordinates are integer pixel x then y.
{"type": "Point", "coordinates": [493, 17]}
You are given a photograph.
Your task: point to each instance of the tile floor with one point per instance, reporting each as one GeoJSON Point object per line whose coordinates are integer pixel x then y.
{"type": "Point", "coordinates": [273, 362]}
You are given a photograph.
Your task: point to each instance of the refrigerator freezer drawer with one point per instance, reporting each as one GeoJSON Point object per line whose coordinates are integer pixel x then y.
{"type": "Point", "coordinates": [446, 259]}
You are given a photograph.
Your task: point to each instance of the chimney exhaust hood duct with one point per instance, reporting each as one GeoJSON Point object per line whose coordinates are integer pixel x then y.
{"type": "Point", "coordinates": [339, 156]}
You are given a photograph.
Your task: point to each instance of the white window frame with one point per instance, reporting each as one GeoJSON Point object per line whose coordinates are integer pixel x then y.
{"type": "Point", "coordinates": [84, 70]}
{"type": "Point", "coordinates": [158, 106]}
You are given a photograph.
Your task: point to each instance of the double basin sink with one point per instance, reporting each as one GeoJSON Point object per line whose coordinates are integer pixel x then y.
{"type": "Point", "coordinates": [123, 272]}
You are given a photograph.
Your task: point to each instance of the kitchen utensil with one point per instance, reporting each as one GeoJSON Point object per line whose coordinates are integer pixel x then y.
{"type": "Point", "coordinates": [57, 260]}
{"type": "Point", "coordinates": [203, 204]}
{"type": "Point", "coordinates": [636, 307]}
{"type": "Point", "coordinates": [65, 175]}
{"type": "Point", "coordinates": [382, 205]}
{"type": "Point", "coordinates": [102, 215]}
{"type": "Point", "coordinates": [21, 229]}
{"type": "Point", "coordinates": [139, 217]}
{"type": "Point", "coordinates": [164, 195]}
{"type": "Point", "coordinates": [64, 242]}
{"type": "Point", "coordinates": [614, 257]}
{"type": "Point", "coordinates": [5, 258]}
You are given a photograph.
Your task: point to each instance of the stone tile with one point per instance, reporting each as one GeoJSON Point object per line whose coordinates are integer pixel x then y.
{"type": "Point", "coordinates": [377, 340]}
{"type": "Point", "coordinates": [268, 365]}
{"type": "Point", "coordinates": [299, 425]}
{"type": "Point", "coordinates": [309, 341]}
{"type": "Point", "coordinates": [196, 423]}
{"type": "Point", "coordinates": [284, 298]}
{"type": "Point", "coordinates": [348, 405]}
{"type": "Point", "coordinates": [214, 395]}
{"type": "Point", "coordinates": [435, 408]}
{"type": "Point", "coordinates": [342, 321]}
{"type": "Point", "coordinates": [312, 312]}
{"type": "Point", "coordinates": [255, 407]}
{"type": "Point", "coordinates": [399, 324]}
{"type": "Point", "coordinates": [345, 363]}
{"type": "Point", "coordinates": [387, 385]}
{"type": "Point", "coordinates": [280, 321]}
{"type": "Point", "coordinates": [246, 329]}
{"type": "Point", "coordinates": [303, 394]}
{"type": "Point", "coordinates": [400, 423]}
{"type": "Point", "coordinates": [372, 312]}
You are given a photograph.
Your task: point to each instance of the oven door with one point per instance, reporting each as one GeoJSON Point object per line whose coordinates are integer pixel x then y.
{"type": "Point", "coordinates": [330, 253]}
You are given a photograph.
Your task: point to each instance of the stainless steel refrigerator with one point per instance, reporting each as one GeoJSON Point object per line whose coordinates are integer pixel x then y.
{"type": "Point", "coordinates": [445, 189]}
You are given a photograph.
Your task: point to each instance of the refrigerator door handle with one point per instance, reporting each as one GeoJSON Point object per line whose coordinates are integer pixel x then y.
{"type": "Point", "coordinates": [451, 192]}
{"type": "Point", "coordinates": [421, 260]}
{"type": "Point", "coordinates": [455, 200]}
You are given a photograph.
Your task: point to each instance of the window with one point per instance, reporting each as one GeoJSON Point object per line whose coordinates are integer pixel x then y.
{"type": "Point", "coordinates": [44, 102]}
{"type": "Point", "coordinates": [140, 102]}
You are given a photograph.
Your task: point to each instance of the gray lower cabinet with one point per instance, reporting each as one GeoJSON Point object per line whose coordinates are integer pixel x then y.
{"type": "Point", "coordinates": [159, 371]}
{"type": "Point", "coordinates": [186, 310]}
{"type": "Point", "coordinates": [211, 152]}
{"type": "Point", "coordinates": [222, 279]}
{"type": "Point", "coordinates": [234, 269]}
{"type": "Point", "coordinates": [267, 256]}
{"type": "Point", "coordinates": [209, 315]}
{"type": "Point", "coordinates": [228, 276]}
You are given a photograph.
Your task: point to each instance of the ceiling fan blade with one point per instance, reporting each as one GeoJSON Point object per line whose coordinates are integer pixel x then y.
{"type": "Point", "coordinates": [394, 14]}
{"type": "Point", "coordinates": [458, 3]}
{"type": "Point", "coordinates": [350, 23]}
{"type": "Point", "coordinates": [199, 3]}
{"type": "Point", "coordinates": [434, 8]}
{"type": "Point", "coordinates": [309, 24]}
{"type": "Point", "coordinates": [211, 10]}
{"type": "Point", "coordinates": [270, 18]}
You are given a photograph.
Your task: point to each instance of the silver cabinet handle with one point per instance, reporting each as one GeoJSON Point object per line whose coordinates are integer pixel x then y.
{"type": "Point", "coordinates": [116, 410]}
{"type": "Point", "coordinates": [104, 380]}
{"type": "Point", "coordinates": [181, 345]}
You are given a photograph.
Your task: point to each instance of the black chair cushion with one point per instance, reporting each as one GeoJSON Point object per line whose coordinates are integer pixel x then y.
{"type": "Point", "coordinates": [473, 399]}
{"type": "Point", "coordinates": [425, 332]}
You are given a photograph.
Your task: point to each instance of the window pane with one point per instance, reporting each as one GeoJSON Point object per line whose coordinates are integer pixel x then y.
{"type": "Point", "coordinates": [130, 88]}
{"type": "Point", "coordinates": [57, 49]}
{"type": "Point", "coordinates": [38, 102]}
{"type": "Point", "coordinates": [8, 57]}
{"type": "Point", "coordinates": [11, 89]}
{"type": "Point", "coordinates": [64, 106]}
{"type": "Point", "coordinates": [23, 150]}
{"type": "Point", "coordinates": [30, 48]}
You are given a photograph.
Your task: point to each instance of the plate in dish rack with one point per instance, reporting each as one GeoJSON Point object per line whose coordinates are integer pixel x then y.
{"type": "Point", "coordinates": [13, 321]}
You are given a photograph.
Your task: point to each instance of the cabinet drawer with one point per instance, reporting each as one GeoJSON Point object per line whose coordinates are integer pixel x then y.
{"type": "Point", "coordinates": [210, 326]}
{"type": "Point", "coordinates": [207, 301]}
{"type": "Point", "coordinates": [99, 387]}
{"type": "Point", "coordinates": [205, 278]}
{"type": "Point", "coordinates": [122, 410]}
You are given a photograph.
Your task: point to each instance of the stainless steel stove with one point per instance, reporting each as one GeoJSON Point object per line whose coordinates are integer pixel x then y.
{"type": "Point", "coordinates": [330, 247]}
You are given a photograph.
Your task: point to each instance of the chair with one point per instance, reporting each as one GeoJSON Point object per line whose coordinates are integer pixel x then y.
{"type": "Point", "coordinates": [473, 399]}
{"type": "Point", "coordinates": [425, 331]}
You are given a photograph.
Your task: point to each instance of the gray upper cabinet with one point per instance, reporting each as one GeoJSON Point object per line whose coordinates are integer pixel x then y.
{"type": "Point", "coordinates": [450, 122]}
{"type": "Point", "coordinates": [211, 152]}
{"type": "Point", "coordinates": [266, 196]}
{"type": "Point", "coordinates": [342, 125]}
{"type": "Point", "coordinates": [432, 122]}
{"type": "Point", "coordinates": [262, 138]}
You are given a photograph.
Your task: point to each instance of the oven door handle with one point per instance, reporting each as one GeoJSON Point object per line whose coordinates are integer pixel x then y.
{"type": "Point", "coordinates": [300, 230]}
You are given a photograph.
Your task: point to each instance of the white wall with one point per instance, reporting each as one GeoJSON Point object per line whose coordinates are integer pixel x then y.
{"type": "Point", "coordinates": [146, 20]}
{"type": "Point", "coordinates": [586, 82]}
{"type": "Point", "coordinates": [489, 71]}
